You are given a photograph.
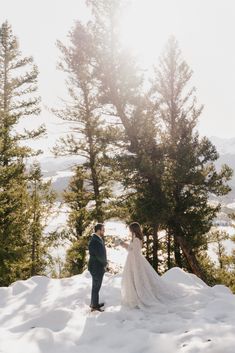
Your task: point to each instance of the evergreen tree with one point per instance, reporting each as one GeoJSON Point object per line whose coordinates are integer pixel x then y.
{"type": "Point", "coordinates": [224, 271]}
{"type": "Point", "coordinates": [75, 262]}
{"type": "Point", "coordinates": [13, 222]}
{"type": "Point", "coordinates": [42, 198]}
{"type": "Point", "coordinates": [232, 268]}
{"type": "Point", "coordinates": [78, 198]}
{"type": "Point", "coordinates": [218, 237]}
{"type": "Point", "coordinates": [190, 175]}
{"type": "Point", "coordinates": [162, 156]}
{"type": "Point", "coordinates": [80, 219]}
{"type": "Point", "coordinates": [122, 95]}
{"type": "Point", "coordinates": [82, 113]}
{"type": "Point", "coordinates": [18, 99]}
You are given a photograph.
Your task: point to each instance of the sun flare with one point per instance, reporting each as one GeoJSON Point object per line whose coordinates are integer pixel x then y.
{"type": "Point", "coordinates": [143, 28]}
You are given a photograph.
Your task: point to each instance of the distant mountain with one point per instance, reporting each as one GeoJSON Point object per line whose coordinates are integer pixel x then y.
{"type": "Point", "coordinates": [224, 145]}
{"type": "Point", "coordinates": [52, 165]}
{"type": "Point", "coordinates": [60, 169]}
{"type": "Point", "coordinates": [226, 150]}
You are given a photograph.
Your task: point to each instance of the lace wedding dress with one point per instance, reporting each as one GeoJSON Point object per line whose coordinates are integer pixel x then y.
{"type": "Point", "coordinates": [142, 287]}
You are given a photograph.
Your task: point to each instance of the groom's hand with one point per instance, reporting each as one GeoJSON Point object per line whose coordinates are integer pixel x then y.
{"type": "Point", "coordinates": [106, 268]}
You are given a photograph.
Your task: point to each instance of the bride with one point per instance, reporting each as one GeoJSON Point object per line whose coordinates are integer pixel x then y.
{"type": "Point", "coordinates": [142, 287]}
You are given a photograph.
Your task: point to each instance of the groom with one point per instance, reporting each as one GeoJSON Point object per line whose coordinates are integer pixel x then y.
{"type": "Point", "coordinates": [97, 265]}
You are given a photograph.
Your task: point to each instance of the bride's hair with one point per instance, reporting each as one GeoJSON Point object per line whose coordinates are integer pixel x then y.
{"type": "Point", "coordinates": [136, 230]}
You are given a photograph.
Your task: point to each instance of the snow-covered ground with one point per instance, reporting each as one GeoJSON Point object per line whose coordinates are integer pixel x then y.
{"type": "Point", "coordinates": [43, 315]}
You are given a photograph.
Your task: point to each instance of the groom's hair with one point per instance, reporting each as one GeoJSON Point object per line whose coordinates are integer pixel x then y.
{"type": "Point", "coordinates": [98, 226]}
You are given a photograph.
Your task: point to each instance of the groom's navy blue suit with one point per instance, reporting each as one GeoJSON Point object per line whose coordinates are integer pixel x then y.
{"type": "Point", "coordinates": [96, 265]}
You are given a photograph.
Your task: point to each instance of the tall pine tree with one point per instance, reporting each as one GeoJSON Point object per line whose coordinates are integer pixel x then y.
{"type": "Point", "coordinates": [190, 173]}
{"type": "Point", "coordinates": [122, 92]}
{"type": "Point", "coordinates": [41, 203]}
{"type": "Point", "coordinates": [173, 183]}
{"type": "Point", "coordinates": [81, 216]}
{"type": "Point", "coordinates": [88, 139]}
{"type": "Point", "coordinates": [18, 100]}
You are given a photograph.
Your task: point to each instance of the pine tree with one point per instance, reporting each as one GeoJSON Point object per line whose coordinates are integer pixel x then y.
{"type": "Point", "coordinates": [232, 268]}
{"type": "Point", "coordinates": [42, 199]}
{"type": "Point", "coordinates": [88, 139]}
{"type": "Point", "coordinates": [18, 99]}
{"type": "Point", "coordinates": [223, 270]}
{"type": "Point", "coordinates": [77, 197]}
{"type": "Point", "coordinates": [218, 237]}
{"type": "Point", "coordinates": [80, 219]}
{"type": "Point", "coordinates": [122, 95]}
{"type": "Point", "coordinates": [190, 174]}
{"type": "Point", "coordinates": [75, 262]}
{"type": "Point", "coordinates": [13, 222]}
{"type": "Point", "coordinates": [171, 169]}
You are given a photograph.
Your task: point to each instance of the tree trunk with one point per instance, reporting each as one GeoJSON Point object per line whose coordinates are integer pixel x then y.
{"type": "Point", "coordinates": [155, 248]}
{"type": "Point", "coordinates": [220, 255]}
{"type": "Point", "coordinates": [147, 247]}
{"type": "Point", "coordinates": [33, 230]}
{"type": "Point", "coordinates": [98, 201]}
{"type": "Point", "coordinates": [190, 256]}
{"type": "Point", "coordinates": [33, 258]}
{"type": "Point", "coordinates": [168, 244]}
{"type": "Point", "coordinates": [177, 253]}
{"type": "Point", "coordinates": [92, 162]}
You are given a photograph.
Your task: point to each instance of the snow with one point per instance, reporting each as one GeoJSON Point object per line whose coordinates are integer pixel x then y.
{"type": "Point", "coordinates": [59, 174]}
{"type": "Point", "coordinates": [229, 245]}
{"type": "Point", "coordinates": [116, 228]}
{"type": "Point", "coordinates": [117, 256]}
{"type": "Point", "coordinates": [231, 205]}
{"type": "Point", "coordinates": [43, 315]}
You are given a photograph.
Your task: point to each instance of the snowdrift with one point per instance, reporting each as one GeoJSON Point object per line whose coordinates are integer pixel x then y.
{"type": "Point", "coordinates": [42, 315]}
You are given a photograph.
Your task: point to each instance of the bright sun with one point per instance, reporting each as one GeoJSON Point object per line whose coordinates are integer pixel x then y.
{"type": "Point", "coordinates": [146, 26]}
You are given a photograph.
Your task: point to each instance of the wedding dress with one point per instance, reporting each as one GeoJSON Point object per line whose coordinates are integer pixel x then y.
{"type": "Point", "coordinates": [142, 287]}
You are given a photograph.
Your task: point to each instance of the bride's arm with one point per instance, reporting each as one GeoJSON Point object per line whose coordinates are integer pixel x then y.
{"type": "Point", "coordinates": [135, 241]}
{"type": "Point", "coordinates": [119, 242]}
{"type": "Point", "coordinates": [124, 245]}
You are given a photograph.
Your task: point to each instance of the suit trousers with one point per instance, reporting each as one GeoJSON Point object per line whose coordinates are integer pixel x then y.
{"type": "Point", "coordinates": [96, 285]}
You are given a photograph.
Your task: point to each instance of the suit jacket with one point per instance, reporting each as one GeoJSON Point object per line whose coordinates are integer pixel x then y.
{"type": "Point", "coordinates": [98, 259]}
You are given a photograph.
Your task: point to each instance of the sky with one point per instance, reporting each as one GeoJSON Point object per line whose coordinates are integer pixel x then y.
{"type": "Point", "coordinates": [204, 28]}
